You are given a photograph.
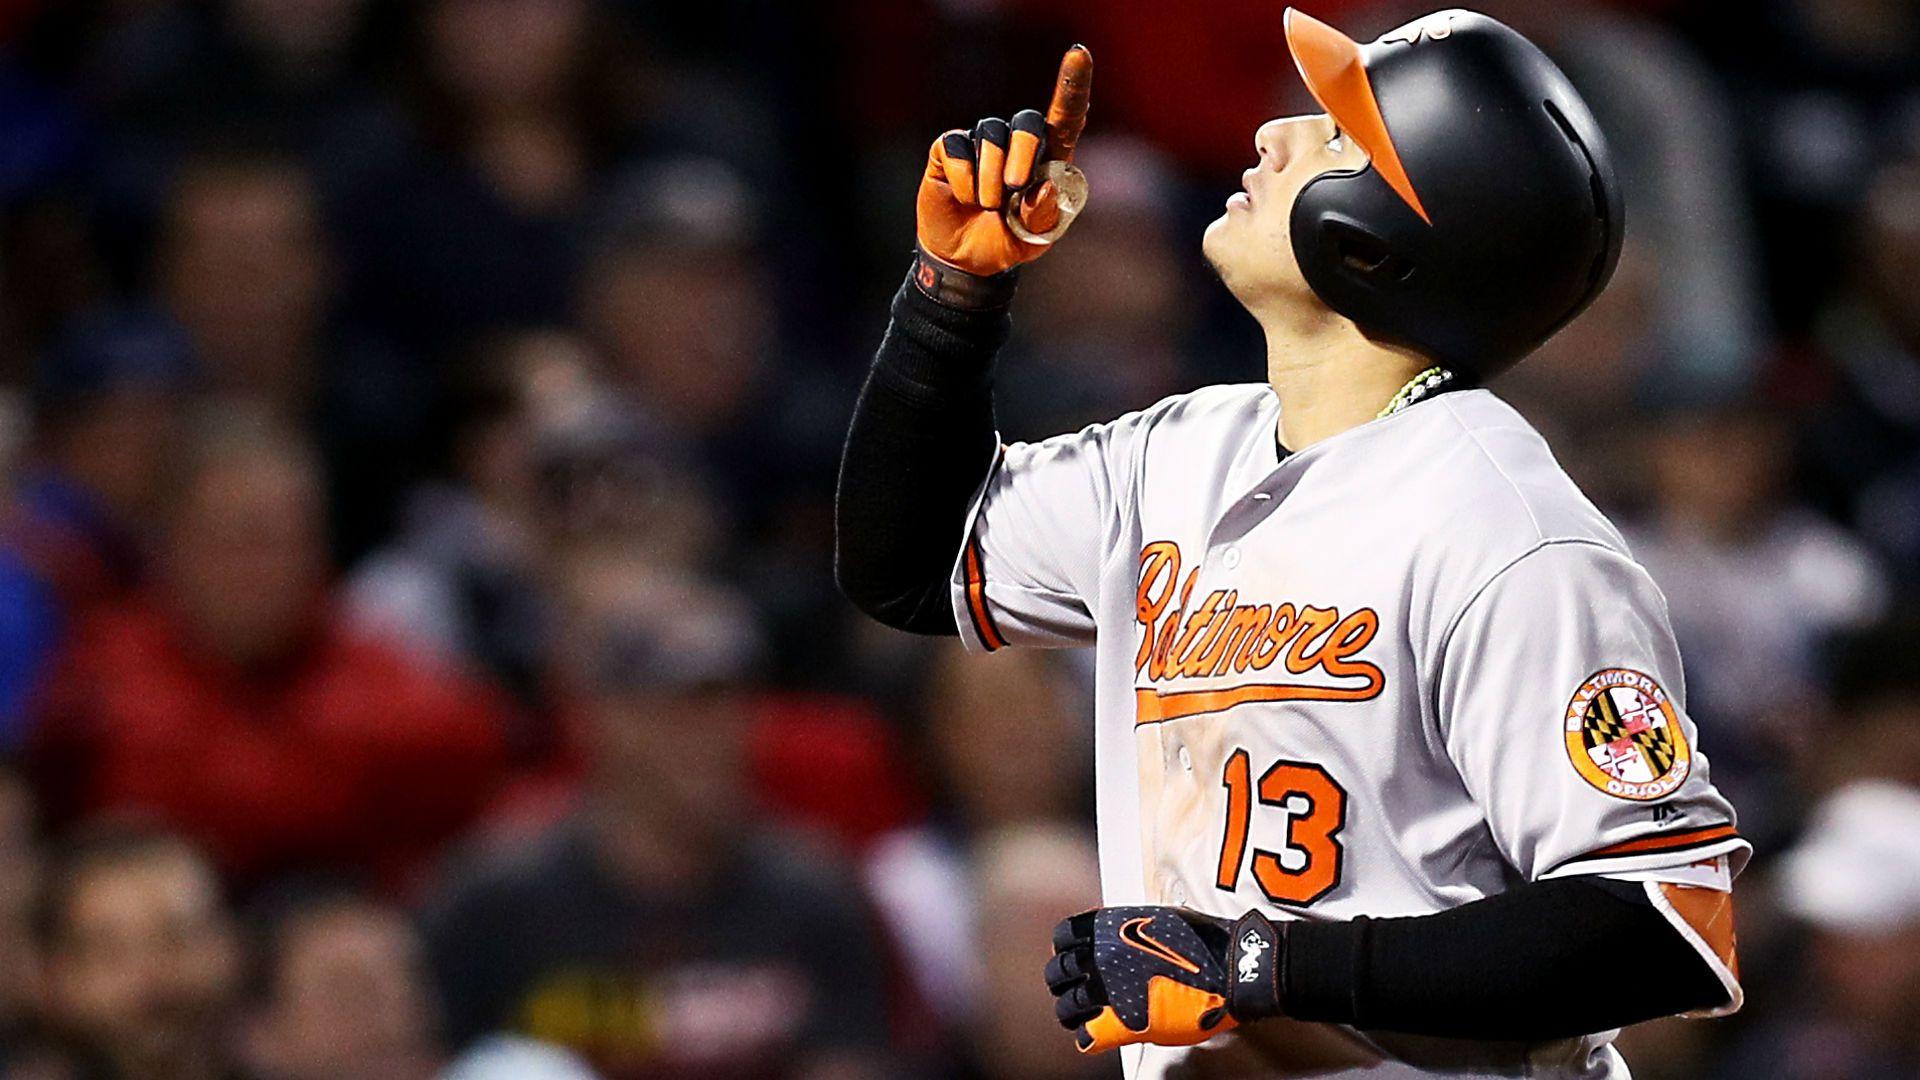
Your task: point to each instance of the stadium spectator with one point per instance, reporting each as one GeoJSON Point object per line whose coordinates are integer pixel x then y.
{"type": "Point", "coordinates": [245, 266]}
{"type": "Point", "coordinates": [675, 298]}
{"type": "Point", "coordinates": [1758, 589]}
{"type": "Point", "coordinates": [607, 480]}
{"type": "Point", "coordinates": [1826, 91]}
{"type": "Point", "coordinates": [288, 63]}
{"type": "Point", "coordinates": [462, 580]}
{"type": "Point", "coordinates": [1003, 740]}
{"type": "Point", "coordinates": [341, 992]}
{"type": "Point", "coordinates": [548, 461]}
{"type": "Point", "coordinates": [230, 699]}
{"type": "Point", "coordinates": [680, 298]}
{"type": "Point", "coordinates": [107, 404]}
{"type": "Point", "coordinates": [1125, 287]}
{"type": "Point", "coordinates": [1595, 367]}
{"type": "Point", "coordinates": [142, 957]}
{"type": "Point", "coordinates": [467, 222]}
{"type": "Point", "coordinates": [1853, 883]}
{"type": "Point", "coordinates": [169, 71]}
{"type": "Point", "coordinates": [1026, 877]}
{"type": "Point", "coordinates": [1008, 736]}
{"type": "Point", "coordinates": [660, 928]}
{"type": "Point", "coordinates": [1732, 552]}
{"type": "Point", "coordinates": [1864, 439]}
{"type": "Point", "coordinates": [21, 870]}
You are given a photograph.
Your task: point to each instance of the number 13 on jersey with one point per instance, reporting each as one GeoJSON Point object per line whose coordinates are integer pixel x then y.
{"type": "Point", "coordinates": [1310, 808]}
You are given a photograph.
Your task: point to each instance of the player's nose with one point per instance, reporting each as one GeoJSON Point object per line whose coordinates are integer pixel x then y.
{"type": "Point", "coordinates": [1271, 143]}
{"type": "Point", "coordinates": [1280, 141]}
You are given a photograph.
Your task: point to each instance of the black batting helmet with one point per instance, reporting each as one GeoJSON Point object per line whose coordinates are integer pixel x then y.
{"type": "Point", "coordinates": [1488, 215]}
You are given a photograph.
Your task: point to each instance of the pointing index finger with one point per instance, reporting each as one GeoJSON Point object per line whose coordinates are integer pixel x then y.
{"type": "Point", "coordinates": [1067, 114]}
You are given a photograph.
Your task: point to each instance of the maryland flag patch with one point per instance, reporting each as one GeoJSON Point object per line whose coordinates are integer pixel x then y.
{"type": "Point", "coordinates": [1624, 738]}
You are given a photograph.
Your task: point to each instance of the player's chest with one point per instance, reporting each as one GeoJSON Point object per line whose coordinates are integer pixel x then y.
{"type": "Point", "coordinates": [1282, 589]}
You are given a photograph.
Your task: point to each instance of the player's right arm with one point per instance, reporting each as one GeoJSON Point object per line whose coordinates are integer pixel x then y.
{"type": "Point", "coordinates": [922, 438]}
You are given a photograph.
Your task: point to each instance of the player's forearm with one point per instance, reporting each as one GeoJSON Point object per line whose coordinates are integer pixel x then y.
{"type": "Point", "coordinates": [1549, 960]}
{"type": "Point", "coordinates": [921, 441]}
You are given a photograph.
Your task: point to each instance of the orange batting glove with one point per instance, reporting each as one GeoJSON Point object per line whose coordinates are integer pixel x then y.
{"type": "Point", "coordinates": [972, 176]}
{"type": "Point", "coordinates": [1163, 975]}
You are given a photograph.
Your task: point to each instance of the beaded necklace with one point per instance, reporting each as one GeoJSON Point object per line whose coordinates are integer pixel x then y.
{"type": "Point", "coordinates": [1418, 388]}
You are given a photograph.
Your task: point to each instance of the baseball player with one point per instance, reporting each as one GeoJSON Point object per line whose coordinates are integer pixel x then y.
{"type": "Point", "coordinates": [1395, 775]}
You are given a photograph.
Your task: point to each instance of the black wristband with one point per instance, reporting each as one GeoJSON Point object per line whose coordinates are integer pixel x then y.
{"type": "Point", "coordinates": [1257, 956]}
{"type": "Point", "coordinates": [955, 288]}
{"type": "Point", "coordinates": [1325, 969]}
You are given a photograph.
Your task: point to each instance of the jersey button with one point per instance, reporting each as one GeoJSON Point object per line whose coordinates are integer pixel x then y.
{"type": "Point", "coordinates": [1178, 893]}
{"type": "Point", "coordinates": [1231, 558]}
{"type": "Point", "coordinates": [1186, 759]}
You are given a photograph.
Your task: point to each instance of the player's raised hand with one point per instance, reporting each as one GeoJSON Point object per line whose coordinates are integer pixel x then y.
{"type": "Point", "coordinates": [973, 177]}
{"type": "Point", "coordinates": [1163, 975]}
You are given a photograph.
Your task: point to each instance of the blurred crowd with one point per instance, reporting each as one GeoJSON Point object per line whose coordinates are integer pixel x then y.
{"type": "Point", "coordinates": [419, 655]}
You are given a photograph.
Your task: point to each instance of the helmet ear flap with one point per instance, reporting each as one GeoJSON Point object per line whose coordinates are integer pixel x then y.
{"type": "Point", "coordinates": [1364, 254]}
{"type": "Point", "coordinates": [1351, 261]}
{"type": "Point", "coordinates": [1331, 242]}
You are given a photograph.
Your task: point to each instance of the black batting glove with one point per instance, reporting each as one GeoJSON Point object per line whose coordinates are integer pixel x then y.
{"type": "Point", "coordinates": [1163, 975]}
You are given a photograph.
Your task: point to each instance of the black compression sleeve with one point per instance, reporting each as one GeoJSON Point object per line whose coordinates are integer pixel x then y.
{"type": "Point", "coordinates": [1549, 960]}
{"type": "Point", "coordinates": [921, 440]}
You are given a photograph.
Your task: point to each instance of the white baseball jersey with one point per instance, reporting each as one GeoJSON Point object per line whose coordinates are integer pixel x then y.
{"type": "Point", "coordinates": [1403, 669]}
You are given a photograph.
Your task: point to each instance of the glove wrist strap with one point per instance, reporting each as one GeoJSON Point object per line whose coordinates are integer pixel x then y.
{"type": "Point", "coordinates": [956, 288]}
{"type": "Point", "coordinates": [1255, 959]}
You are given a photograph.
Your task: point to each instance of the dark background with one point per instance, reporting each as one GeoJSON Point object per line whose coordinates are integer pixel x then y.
{"type": "Point", "coordinates": [419, 422]}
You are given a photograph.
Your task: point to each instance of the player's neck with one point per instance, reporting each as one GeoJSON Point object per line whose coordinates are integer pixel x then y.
{"type": "Point", "coordinates": [1330, 377]}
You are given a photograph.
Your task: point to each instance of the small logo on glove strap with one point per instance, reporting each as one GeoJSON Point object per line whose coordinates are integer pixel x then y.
{"type": "Point", "coordinates": [1252, 945]}
{"type": "Point", "coordinates": [1134, 933]}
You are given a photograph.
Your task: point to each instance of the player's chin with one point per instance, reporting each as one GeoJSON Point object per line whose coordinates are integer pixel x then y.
{"type": "Point", "coordinates": [1217, 238]}
{"type": "Point", "coordinates": [1231, 243]}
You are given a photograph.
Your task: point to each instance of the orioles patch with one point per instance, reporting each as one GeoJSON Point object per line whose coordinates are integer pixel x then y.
{"type": "Point", "coordinates": [1623, 736]}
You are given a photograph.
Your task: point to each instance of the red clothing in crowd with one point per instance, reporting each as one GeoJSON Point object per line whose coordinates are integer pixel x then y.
{"type": "Point", "coordinates": [353, 756]}
{"type": "Point", "coordinates": [1195, 79]}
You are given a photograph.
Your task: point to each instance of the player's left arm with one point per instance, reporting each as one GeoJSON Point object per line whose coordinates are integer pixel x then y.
{"type": "Point", "coordinates": [1557, 694]}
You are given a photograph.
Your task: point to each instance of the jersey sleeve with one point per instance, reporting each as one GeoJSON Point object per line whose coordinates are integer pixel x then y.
{"type": "Point", "coordinates": [1039, 531]}
{"type": "Point", "coordinates": [1559, 699]}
